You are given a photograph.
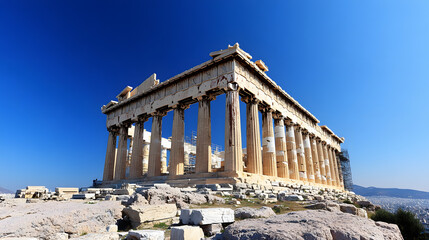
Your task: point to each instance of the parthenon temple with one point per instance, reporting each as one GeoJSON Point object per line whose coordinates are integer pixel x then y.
{"type": "Point", "coordinates": [293, 147]}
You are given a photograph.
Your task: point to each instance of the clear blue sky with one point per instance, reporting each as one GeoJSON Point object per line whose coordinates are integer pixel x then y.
{"type": "Point", "coordinates": [361, 67]}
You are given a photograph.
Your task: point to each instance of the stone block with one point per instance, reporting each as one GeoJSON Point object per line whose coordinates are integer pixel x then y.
{"type": "Point", "coordinates": [112, 228]}
{"type": "Point", "coordinates": [186, 233]}
{"type": "Point", "coordinates": [290, 198]}
{"type": "Point", "coordinates": [212, 229]}
{"type": "Point", "coordinates": [84, 196]}
{"type": "Point", "coordinates": [348, 208]}
{"type": "Point", "coordinates": [145, 235]}
{"type": "Point", "coordinates": [139, 214]}
{"type": "Point", "coordinates": [206, 216]}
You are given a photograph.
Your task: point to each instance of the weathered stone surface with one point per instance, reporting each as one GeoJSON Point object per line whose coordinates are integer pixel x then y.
{"type": "Point", "coordinates": [212, 229]}
{"type": "Point", "coordinates": [248, 212]}
{"type": "Point", "coordinates": [145, 235]}
{"type": "Point", "coordinates": [186, 233]}
{"type": "Point", "coordinates": [139, 214]}
{"type": "Point", "coordinates": [312, 224]}
{"type": "Point", "coordinates": [112, 228]}
{"type": "Point", "coordinates": [99, 236]}
{"type": "Point", "coordinates": [320, 205]}
{"type": "Point", "coordinates": [206, 216]}
{"type": "Point", "coordinates": [348, 208]}
{"type": "Point", "coordinates": [291, 198]}
{"type": "Point", "coordinates": [45, 219]}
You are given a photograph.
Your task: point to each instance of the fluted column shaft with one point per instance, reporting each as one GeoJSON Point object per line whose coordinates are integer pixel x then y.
{"type": "Point", "coordinates": [145, 157]}
{"type": "Point", "coordinates": [308, 158]}
{"type": "Point", "coordinates": [121, 156]}
{"type": "Point", "coordinates": [291, 152]}
{"type": "Point", "coordinates": [109, 164]}
{"type": "Point", "coordinates": [332, 167]}
{"type": "Point", "coordinates": [300, 154]}
{"type": "Point", "coordinates": [136, 166]}
{"type": "Point", "coordinates": [321, 161]}
{"type": "Point", "coordinates": [254, 155]}
{"type": "Point", "coordinates": [340, 170]}
{"type": "Point", "coordinates": [154, 168]}
{"type": "Point", "coordinates": [177, 154]}
{"type": "Point", "coordinates": [233, 149]}
{"type": "Point", "coordinates": [281, 150]}
{"type": "Point", "coordinates": [327, 165]}
{"type": "Point", "coordinates": [203, 162]}
{"type": "Point", "coordinates": [268, 145]}
{"type": "Point", "coordinates": [317, 174]}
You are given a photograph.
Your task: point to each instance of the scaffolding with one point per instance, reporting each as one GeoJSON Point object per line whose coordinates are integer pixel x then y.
{"type": "Point", "coordinates": [346, 169]}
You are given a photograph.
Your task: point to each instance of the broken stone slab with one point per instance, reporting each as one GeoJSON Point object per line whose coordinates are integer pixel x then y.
{"type": "Point", "coordinates": [84, 196]}
{"type": "Point", "coordinates": [112, 228]}
{"type": "Point", "coordinates": [212, 229]}
{"type": "Point", "coordinates": [291, 198]}
{"type": "Point", "coordinates": [247, 212]}
{"type": "Point", "coordinates": [206, 216]}
{"type": "Point", "coordinates": [145, 235]}
{"type": "Point", "coordinates": [348, 208]}
{"type": "Point", "coordinates": [320, 205]}
{"type": "Point", "coordinates": [186, 233]}
{"type": "Point", "coordinates": [139, 214]}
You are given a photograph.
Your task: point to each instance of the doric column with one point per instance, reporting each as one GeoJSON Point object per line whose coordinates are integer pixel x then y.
{"type": "Point", "coordinates": [308, 158]}
{"type": "Point", "coordinates": [154, 168]}
{"type": "Point", "coordinates": [136, 166]}
{"type": "Point", "coordinates": [327, 164]}
{"type": "Point", "coordinates": [317, 173]}
{"type": "Point", "coordinates": [300, 154]}
{"type": "Point", "coordinates": [340, 170]}
{"type": "Point", "coordinates": [233, 149]}
{"type": "Point", "coordinates": [203, 161]}
{"type": "Point", "coordinates": [177, 154]}
{"type": "Point", "coordinates": [321, 161]}
{"type": "Point", "coordinates": [163, 160]}
{"type": "Point", "coordinates": [121, 158]}
{"type": "Point", "coordinates": [145, 157]}
{"type": "Point", "coordinates": [268, 144]}
{"type": "Point", "coordinates": [109, 164]}
{"type": "Point", "coordinates": [281, 150]}
{"type": "Point", "coordinates": [332, 167]}
{"type": "Point", "coordinates": [254, 155]}
{"type": "Point", "coordinates": [186, 159]}
{"type": "Point", "coordinates": [291, 151]}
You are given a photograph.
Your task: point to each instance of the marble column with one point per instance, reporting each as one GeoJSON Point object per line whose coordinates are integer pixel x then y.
{"type": "Point", "coordinates": [332, 167]}
{"type": "Point", "coordinates": [340, 170]}
{"type": "Point", "coordinates": [186, 161]}
{"type": "Point", "coordinates": [254, 154]}
{"type": "Point", "coordinates": [315, 155]}
{"type": "Point", "coordinates": [154, 168]}
{"type": "Point", "coordinates": [321, 161]}
{"type": "Point", "coordinates": [233, 150]}
{"type": "Point", "coordinates": [291, 152]}
{"type": "Point", "coordinates": [121, 158]}
{"type": "Point", "coordinates": [281, 150]}
{"type": "Point", "coordinates": [177, 154]}
{"type": "Point", "coordinates": [164, 161]}
{"type": "Point", "coordinates": [327, 165]}
{"type": "Point", "coordinates": [136, 166]}
{"type": "Point", "coordinates": [145, 157]}
{"type": "Point", "coordinates": [268, 144]}
{"type": "Point", "coordinates": [203, 161]}
{"type": "Point", "coordinates": [308, 158]}
{"type": "Point", "coordinates": [109, 164]}
{"type": "Point", "coordinates": [300, 154]}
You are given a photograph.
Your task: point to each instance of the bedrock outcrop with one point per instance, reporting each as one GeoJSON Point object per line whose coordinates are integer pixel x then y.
{"type": "Point", "coordinates": [312, 224]}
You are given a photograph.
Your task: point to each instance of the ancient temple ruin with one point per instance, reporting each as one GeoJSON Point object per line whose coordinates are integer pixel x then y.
{"type": "Point", "coordinates": [293, 147]}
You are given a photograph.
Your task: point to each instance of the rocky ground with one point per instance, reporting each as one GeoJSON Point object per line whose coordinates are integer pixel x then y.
{"type": "Point", "coordinates": [212, 212]}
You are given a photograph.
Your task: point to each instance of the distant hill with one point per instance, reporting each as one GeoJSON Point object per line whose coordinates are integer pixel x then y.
{"type": "Point", "coordinates": [4, 190]}
{"type": "Point", "coordinates": [390, 192]}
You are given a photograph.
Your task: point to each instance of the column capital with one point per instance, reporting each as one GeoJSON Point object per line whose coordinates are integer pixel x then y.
{"type": "Point", "coordinates": [182, 106]}
{"type": "Point", "coordinates": [265, 109]}
{"type": "Point", "coordinates": [159, 113]}
{"type": "Point", "coordinates": [113, 129]}
{"type": "Point", "coordinates": [297, 127]}
{"type": "Point", "coordinates": [209, 97]}
{"type": "Point", "coordinates": [250, 99]}
{"type": "Point", "coordinates": [278, 116]}
{"type": "Point", "coordinates": [232, 87]}
{"type": "Point", "coordinates": [288, 121]}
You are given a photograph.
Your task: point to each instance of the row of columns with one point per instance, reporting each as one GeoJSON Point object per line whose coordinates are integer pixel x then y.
{"type": "Point", "coordinates": [288, 151]}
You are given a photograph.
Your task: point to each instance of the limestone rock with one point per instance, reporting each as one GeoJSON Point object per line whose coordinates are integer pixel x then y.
{"type": "Point", "coordinates": [145, 235]}
{"type": "Point", "coordinates": [99, 236]}
{"type": "Point", "coordinates": [320, 205]}
{"type": "Point", "coordinates": [186, 233]}
{"type": "Point", "coordinates": [212, 229]}
{"type": "Point", "coordinates": [312, 224]}
{"type": "Point", "coordinates": [248, 212]}
{"type": "Point", "coordinates": [207, 216]}
{"type": "Point", "coordinates": [348, 208]}
{"type": "Point", "coordinates": [139, 214]}
{"type": "Point", "coordinates": [291, 198]}
{"type": "Point", "coordinates": [45, 219]}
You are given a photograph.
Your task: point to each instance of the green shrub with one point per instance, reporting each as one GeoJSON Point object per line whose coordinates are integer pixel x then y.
{"type": "Point", "coordinates": [410, 226]}
{"type": "Point", "coordinates": [347, 201]}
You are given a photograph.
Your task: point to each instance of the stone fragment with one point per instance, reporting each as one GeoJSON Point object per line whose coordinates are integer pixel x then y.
{"type": "Point", "coordinates": [99, 236]}
{"type": "Point", "coordinates": [361, 212]}
{"type": "Point", "coordinates": [212, 229]}
{"type": "Point", "coordinates": [61, 236]}
{"type": "Point", "coordinates": [112, 228]}
{"type": "Point", "coordinates": [206, 216]}
{"type": "Point", "coordinates": [291, 198]}
{"type": "Point", "coordinates": [139, 214]}
{"type": "Point", "coordinates": [145, 235]}
{"type": "Point", "coordinates": [186, 233]}
{"type": "Point", "coordinates": [348, 208]}
{"type": "Point", "coordinates": [320, 205]}
{"type": "Point", "coordinates": [247, 212]}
